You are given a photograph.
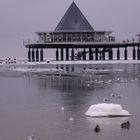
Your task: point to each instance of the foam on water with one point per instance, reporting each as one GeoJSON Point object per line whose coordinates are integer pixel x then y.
{"type": "Point", "coordinates": [106, 110]}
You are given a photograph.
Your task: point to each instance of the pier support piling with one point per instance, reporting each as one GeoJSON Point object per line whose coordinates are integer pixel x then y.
{"type": "Point", "coordinates": [67, 54]}
{"type": "Point", "coordinates": [72, 54]}
{"type": "Point", "coordinates": [134, 53]}
{"type": "Point", "coordinates": [57, 55]}
{"type": "Point", "coordinates": [41, 55]}
{"type": "Point", "coordinates": [125, 53]}
{"type": "Point", "coordinates": [84, 54]}
{"type": "Point", "coordinates": [118, 53]}
{"type": "Point", "coordinates": [62, 54]}
{"type": "Point", "coordinates": [29, 55]}
{"type": "Point", "coordinates": [90, 53]}
{"type": "Point", "coordinates": [110, 54]}
{"type": "Point", "coordinates": [138, 53]}
{"type": "Point", "coordinates": [96, 53]}
{"type": "Point", "coordinates": [33, 55]}
{"type": "Point", "coordinates": [37, 55]}
{"type": "Point", "coordinates": [103, 54]}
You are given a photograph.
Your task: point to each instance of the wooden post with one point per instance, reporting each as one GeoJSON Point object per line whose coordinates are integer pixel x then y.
{"type": "Point", "coordinates": [41, 55]}
{"type": "Point", "coordinates": [103, 54]}
{"type": "Point", "coordinates": [134, 53]}
{"type": "Point", "coordinates": [72, 54]}
{"type": "Point", "coordinates": [84, 54]}
{"type": "Point", "coordinates": [90, 53]}
{"type": "Point", "coordinates": [33, 55]}
{"type": "Point", "coordinates": [37, 55]}
{"type": "Point", "coordinates": [29, 55]}
{"type": "Point", "coordinates": [125, 53]}
{"type": "Point", "coordinates": [111, 54]}
{"type": "Point", "coordinates": [67, 54]}
{"type": "Point", "coordinates": [96, 53]}
{"type": "Point", "coordinates": [57, 55]}
{"type": "Point", "coordinates": [138, 53]}
{"type": "Point", "coordinates": [118, 54]}
{"type": "Point", "coordinates": [62, 54]}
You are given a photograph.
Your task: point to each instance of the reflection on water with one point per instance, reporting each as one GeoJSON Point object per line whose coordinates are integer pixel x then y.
{"type": "Point", "coordinates": [50, 101]}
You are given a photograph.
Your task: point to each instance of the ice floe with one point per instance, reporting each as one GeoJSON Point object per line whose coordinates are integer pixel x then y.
{"type": "Point", "coordinates": [106, 110]}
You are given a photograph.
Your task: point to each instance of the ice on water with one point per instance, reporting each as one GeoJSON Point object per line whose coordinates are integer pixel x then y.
{"type": "Point", "coordinates": [106, 110]}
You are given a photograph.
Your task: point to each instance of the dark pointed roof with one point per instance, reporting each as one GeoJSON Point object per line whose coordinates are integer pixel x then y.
{"type": "Point", "coordinates": [73, 20]}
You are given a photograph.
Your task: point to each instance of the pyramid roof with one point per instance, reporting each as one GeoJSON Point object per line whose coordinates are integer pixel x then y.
{"type": "Point", "coordinates": [73, 19]}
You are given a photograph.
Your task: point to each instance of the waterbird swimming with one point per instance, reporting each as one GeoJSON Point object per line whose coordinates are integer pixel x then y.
{"type": "Point", "coordinates": [97, 128]}
{"type": "Point", "coordinates": [105, 99]}
{"type": "Point", "coordinates": [31, 137]}
{"type": "Point", "coordinates": [62, 108]}
{"type": "Point", "coordinates": [71, 118]}
{"type": "Point", "coordinates": [119, 96]}
{"type": "Point", "coordinates": [125, 125]}
{"type": "Point", "coordinates": [113, 95]}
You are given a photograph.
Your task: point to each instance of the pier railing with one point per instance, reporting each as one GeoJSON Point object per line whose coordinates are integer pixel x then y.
{"type": "Point", "coordinates": [117, 41]}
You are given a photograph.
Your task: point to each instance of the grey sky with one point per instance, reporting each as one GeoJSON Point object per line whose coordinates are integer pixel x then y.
{"type": "Point", "coordinates": [19, 19]}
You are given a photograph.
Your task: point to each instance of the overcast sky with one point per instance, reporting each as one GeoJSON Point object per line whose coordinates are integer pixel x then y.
{"type": "Point", "coordinates": [19, 19]}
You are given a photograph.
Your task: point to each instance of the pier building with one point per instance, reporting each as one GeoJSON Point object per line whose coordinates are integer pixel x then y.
{"type": "Point", "coordinates": [75, 39]}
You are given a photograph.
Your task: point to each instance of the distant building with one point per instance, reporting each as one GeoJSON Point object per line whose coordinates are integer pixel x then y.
{"type": "Point", "coordinates": [74, 27]}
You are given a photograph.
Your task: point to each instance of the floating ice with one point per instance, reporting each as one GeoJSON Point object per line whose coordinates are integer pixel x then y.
{"type": "Point", "coordinates": [107, 110]}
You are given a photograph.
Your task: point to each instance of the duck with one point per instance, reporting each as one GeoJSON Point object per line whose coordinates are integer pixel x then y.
{"type": "Point", "coordinates": [119, 96]}
{"type": "Point", "coordinates": [105, 99]}
{"type": "Point", "coordinates": [125, 125]}
{"type": "Point", "coordinates": [113, 95]}
{"type": "Point", "coordinates": [97, 128]}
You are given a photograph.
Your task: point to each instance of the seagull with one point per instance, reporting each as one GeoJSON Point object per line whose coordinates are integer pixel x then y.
{"type": "Point", "coordinates": [62, 108]}
{"type": "Point", "coordinates": [71, 118]}
{"type": "Point", "coordinates": [31, 137]}
{"type": "Point", "coordinates": [88, 85]}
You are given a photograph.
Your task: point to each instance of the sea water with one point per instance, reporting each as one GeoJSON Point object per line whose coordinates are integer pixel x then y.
{"type": "Point", "coordinates": [50, 101]}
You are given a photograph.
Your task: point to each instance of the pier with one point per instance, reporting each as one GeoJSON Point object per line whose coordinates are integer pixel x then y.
{"type": "Point", "coordinates": [75, 39]}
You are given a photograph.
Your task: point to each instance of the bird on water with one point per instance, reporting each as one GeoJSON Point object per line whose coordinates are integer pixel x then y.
{"type": "Point", "coordinates": [97, 128]}
{"type": "Point", "coordinates": [125, 125]}
{"type": "Point", "coordinates": [31, 137]}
